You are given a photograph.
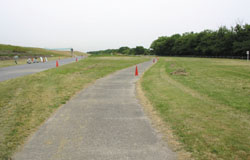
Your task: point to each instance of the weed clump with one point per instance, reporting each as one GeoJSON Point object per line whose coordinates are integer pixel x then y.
{"type": "Point", "coordinates": [181, 72]}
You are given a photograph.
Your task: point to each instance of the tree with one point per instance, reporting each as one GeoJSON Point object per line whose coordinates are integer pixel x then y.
{"type": "Point", "coordinates": [242, 39]}
{"type": "Point", "coordinates": [124, 50]}
{"type": "Point", "coordinates": [139, 50]}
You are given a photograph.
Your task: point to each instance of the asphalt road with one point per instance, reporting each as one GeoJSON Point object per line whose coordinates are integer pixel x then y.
{"type": "Point", "coordinates": [22, 70]}
{"type": "Point", "coordinates": [103, 122]}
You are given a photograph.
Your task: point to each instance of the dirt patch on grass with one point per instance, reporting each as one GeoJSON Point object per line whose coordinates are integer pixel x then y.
{"type": "Point", "coordinates": [168, 60]}
{"type": "Point", "coordinates": [180, 72]}
{"type": "Point", "coordinates": [90, 67]}
{"type": "Point", "coordinates": [160, 125]}
{"type": "Point", "coordinates": [172, 65]}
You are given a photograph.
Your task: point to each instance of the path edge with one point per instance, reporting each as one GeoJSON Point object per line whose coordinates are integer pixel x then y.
{"type": "Point", "coordinates": [158, 123]}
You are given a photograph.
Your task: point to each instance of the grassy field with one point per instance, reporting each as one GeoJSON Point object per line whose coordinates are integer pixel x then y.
{"type": "Point", "coordinates": [206, 103]}
{"type": "Point", "coordinates": [26, 102]}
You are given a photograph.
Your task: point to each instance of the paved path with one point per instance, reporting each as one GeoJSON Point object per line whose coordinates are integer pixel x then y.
{"type": "Point", "coordinates": [21, 70]}
{"type": "Point", "coordinates": [103, 122]}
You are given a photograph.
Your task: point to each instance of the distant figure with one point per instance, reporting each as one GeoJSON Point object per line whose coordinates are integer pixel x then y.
{"type": "Point", "coordinates": [29, 61]}
{"type": "Point", "coordinates": [72, 51]}
{"type": "Point", "coordinates": [35, 60]}
{"type": "Point", "coordinates": [41, 58]}
{"type": "Point", "coordinates": [46, 59]}
{"type": "Point", "coordinates": [16, 58]}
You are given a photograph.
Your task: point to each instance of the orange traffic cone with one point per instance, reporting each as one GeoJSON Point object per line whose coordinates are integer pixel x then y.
{"type": "Point", "coordinates": [57, 64]}
{"type": "Point", "coordinates": [136, 71]}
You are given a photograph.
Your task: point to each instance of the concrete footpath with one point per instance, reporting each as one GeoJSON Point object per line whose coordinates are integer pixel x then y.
{"type": "Point", "coordinates": [103, 122]}
{"type": "Point", "coordinates": [25, 69]}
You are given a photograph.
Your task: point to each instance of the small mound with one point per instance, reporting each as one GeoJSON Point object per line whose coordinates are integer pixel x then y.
{"type": "Point", "coordinates": [180, 72]}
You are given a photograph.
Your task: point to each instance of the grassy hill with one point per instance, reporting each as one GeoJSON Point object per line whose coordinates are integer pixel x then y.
{"type": "Point", "coordinates": [9, 51]}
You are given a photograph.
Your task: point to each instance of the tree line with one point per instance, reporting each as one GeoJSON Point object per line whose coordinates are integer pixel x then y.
{"type": "Point", "coordinates": [138, 50]}
{"type": "Point", "coordinates": [224, 42]}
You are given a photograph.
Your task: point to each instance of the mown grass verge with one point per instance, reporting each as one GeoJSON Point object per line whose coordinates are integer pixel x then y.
{"type": "Point", "coordinates": [206, 102]}
{"type": "Point", "coordinates": [10, 51]}
{"type": "Point", "coordinates": [26, 102]}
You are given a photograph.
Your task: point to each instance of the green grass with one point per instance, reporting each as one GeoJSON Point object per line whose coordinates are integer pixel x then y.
{"type": "Point", "coordinates": [206, 102]}
{"type": "Point", "coordinates": [8, 51]}
{"type": "Point", "coordinates": [26, 102]}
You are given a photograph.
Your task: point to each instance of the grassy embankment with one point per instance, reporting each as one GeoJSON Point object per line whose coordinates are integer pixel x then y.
{"type": "Point", "coordinates": [26, 102]}
{"type": "Point", "coordinates": [206, 103]}
{"type": "Point", "coordinates": [7, 52]}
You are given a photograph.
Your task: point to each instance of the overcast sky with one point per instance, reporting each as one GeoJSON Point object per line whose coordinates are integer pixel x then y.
{"type": "Point", "coordinates": [101, 24]}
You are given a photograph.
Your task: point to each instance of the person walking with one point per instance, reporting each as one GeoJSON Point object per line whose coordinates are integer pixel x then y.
{"type": "Point", "coordinates": [16, 58]}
